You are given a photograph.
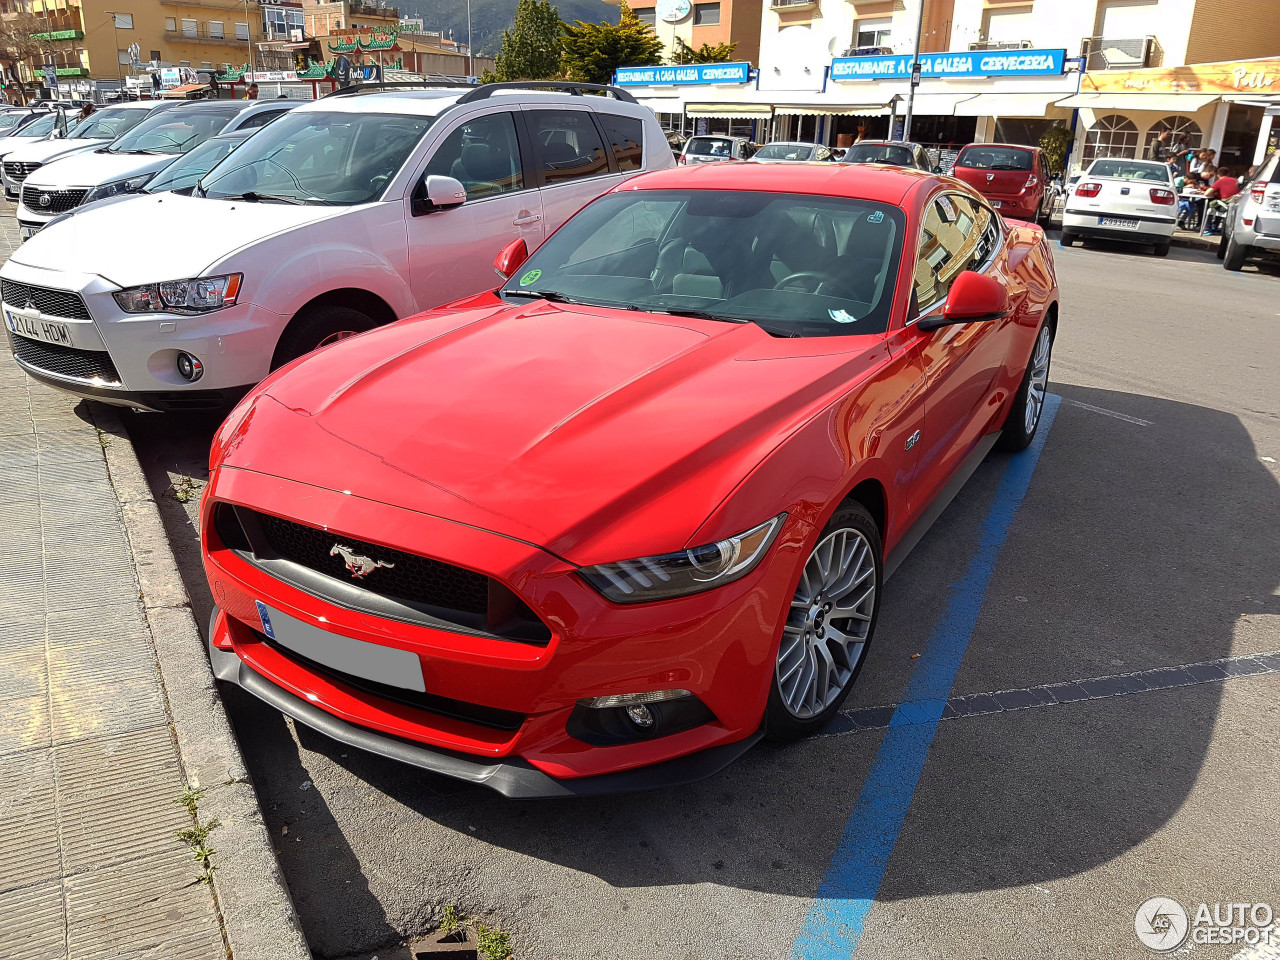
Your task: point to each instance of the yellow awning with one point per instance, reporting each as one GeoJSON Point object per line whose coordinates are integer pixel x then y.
{"type": "Point", "coordinates": [729, 111]}
{"type": "Point", "coordinates": [1012, 105]}
{"type": "Point", "coordinates": [833, 109]}
{"type": "Point", "coordinates": [1163, 102]}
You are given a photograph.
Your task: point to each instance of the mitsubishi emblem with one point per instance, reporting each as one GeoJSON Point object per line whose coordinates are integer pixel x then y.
{"type": "Point", "coordinates": [357, 565]}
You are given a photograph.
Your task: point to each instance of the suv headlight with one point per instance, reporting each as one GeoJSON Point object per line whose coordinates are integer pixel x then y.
{"type": "Point", "coordinates": [127, 185]}
{"type": "Point", "coordinates": [685, 571]}
{"type": "Point", "coordinates": [199, 295]}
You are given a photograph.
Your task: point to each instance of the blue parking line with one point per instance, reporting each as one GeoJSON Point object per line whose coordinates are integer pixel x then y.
{"type": "Point", "coordinates": [833, 928]}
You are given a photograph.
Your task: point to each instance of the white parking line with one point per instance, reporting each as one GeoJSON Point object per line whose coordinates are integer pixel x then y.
{"type": "Point", "coordinates": [1108, 413]}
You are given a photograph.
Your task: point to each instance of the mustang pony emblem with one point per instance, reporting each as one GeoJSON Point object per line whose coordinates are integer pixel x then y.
{"type": "Point", "coordinates": [357, 565]}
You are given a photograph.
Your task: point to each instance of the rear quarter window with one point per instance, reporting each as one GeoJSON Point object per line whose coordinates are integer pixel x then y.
{"type": "Point", "coordinates": [626, 139]}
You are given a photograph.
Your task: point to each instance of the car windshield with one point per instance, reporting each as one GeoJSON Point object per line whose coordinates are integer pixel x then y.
{"type": "Point", "coordinates": [785, 151]}
{"type": "Point", "coordinates": [795, 264]}
{"type": "Point", "coordinates": [186, 170]}
{"type": "Point", "coordinates": [710, 147]}
{"type": "Point", "coordinates": [10, 120]}
{"type": "Point", "coordinates": [106, 124]}
{"type": "Point", "coordinates": [1130, 170]}
{"type": "Point", "coordinates": [177, 129]}
{"type": "Point", "coordinates": [994, 158]}
{"type": "Point", "coordinates": [39, 128]}
{"type": "Point", "coordinates": [880, 153]}
{"type": "Point", "coordinates": [311, 156]}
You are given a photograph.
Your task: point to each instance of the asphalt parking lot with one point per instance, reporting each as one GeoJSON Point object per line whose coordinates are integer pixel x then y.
{"type": "Point", "coordinates": [1145, 536]}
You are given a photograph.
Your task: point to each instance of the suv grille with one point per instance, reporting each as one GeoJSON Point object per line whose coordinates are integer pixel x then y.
{"type": "Point", "coordinates": [52, 303]}
{"type": "Point", "coordinates": [66, 361]}
{"type": "Point", "coordinates": [416, 588]}
{"type": "Point", "coordinates": [17, 172]}
{"type": "Point", "coordinates": [58, 201]}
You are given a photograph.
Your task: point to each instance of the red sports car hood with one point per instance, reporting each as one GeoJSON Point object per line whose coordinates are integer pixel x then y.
{"type": "Point", "coordinates": [596, 434]}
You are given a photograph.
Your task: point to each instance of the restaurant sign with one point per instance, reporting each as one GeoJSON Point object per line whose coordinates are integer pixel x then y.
{"type": "Point", "coordinates": [976, 63]}
{"type": "Point", "coordinates": [1231, 76]}
{"type": "Point", "coordinates": [692, 73]}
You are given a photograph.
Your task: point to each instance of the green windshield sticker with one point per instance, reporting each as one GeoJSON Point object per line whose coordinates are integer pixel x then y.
{"type": "Point", "coordinates": [530, 277]}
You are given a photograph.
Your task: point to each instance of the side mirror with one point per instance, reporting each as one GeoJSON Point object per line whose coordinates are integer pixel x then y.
{"type": "Point", "coordinates": [510, 258]}
{"type": "Point", "coordinates": [973, 298]}
{"type": "Point", "coordinates": [435, 193]}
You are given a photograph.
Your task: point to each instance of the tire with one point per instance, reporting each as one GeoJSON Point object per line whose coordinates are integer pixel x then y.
{"type": "Point", "coordinates": [1234, 256]}
{"type": "Point", "coordinates": [1222, 245]}
{"type": "Point", "coordinates": [317, 327]}
{"type": "Point", "coordinates": [1067, 238]}
{"type": "Point", "coordinates": [803, 697]}
{"type": "Point", "coordinates": [1161, 249]}
{"type": "Point", "coordinates": [1023, 420]}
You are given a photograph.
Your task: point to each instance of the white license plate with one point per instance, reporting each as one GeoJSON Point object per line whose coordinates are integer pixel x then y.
{"type": "Point", "coordinates": [997, 204]}
{"type": "Point", "coordinates": [1273, 205]}
{"type": "Point", "coordinates": [50, 331]}
{"type": "Point", "coordinates": [1124, 222]}
{"type": "Point", "coordinates": [370, 661]}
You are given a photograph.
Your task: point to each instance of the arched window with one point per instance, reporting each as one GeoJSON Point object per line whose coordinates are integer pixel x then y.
{"type": "Point", "coordinates": [1179, 127]}
{"type": "Point", "coordinates": [1111, 136]}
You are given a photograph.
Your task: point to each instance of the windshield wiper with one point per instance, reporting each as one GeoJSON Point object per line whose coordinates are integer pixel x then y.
{"type": "Point", "coordinates": [723, 318]}
{"type": "Point", "coordinates": [549, 295]}
{"type": "Point", "coordinates": [253, 197]}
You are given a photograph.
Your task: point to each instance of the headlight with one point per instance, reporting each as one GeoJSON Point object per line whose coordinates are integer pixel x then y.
{"type": "Point", "coordinates": [686, 571]}
{"type": "Point", "coordinates": [128, 185]}
{"type": "Point", "coordinates": [181, 296]}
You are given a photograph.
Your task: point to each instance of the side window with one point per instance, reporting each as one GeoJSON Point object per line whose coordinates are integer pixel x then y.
{"type": "Point", "coordinates": [567, 145]}
{"type": "Point", "coordinates": [626, 135]}
{"type": "Point", "coordinates": [483, 155]}
{"type": "Point", "coordinates": [951, 239]}
{"type": "Point", "coordinates": [260, 120]}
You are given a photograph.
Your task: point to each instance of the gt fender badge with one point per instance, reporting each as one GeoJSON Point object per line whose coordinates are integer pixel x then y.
{"type": "Point", "coordinates": [357, 565]}
{"type": "Point", "coordinates": [913, 439]}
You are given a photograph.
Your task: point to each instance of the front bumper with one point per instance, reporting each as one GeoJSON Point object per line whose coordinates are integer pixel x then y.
{"type": "Point", "coordinates": [513, 777]}
{"type": "Point", "coordinates": [719, 645]}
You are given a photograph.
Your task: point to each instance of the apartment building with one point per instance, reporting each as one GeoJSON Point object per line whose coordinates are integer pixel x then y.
{"type": "Point", "coordinates": [692, 23]}
{"type": "Point", "coordinates": [326, 17]}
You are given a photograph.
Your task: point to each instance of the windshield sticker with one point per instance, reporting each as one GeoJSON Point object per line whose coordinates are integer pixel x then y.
{"type": "Point", "coordinates": [842, 316]}
{"type": "Point", "coordinates": [531, 277]}
{"type": "Point", "coordinates": [876, 217]}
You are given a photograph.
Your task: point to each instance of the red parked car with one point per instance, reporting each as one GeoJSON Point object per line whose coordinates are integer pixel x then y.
{"type": "Point", "coordinates": [607, 526]}
{"type": "Point", "coordinates": [1014, 178]}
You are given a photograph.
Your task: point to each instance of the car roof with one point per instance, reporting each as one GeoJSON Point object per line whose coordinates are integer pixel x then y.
{"type": "Point", "coordinates": [1001, 146]}
{"type": "Point", "coordinates": [791, 143]}
{"type": "Point", "coordinates": [885, 143]}
{"type": "Point", "coordinates": [855, 181]}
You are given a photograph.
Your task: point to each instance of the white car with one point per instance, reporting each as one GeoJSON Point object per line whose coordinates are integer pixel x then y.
{"type": "Point", "coordinates": [1132, 200]}
{"type": "Point", "coordinates": [27, 156]}
{"type": "Point", "coordinates": [349, 212]}
{"type": "Point", "coordinates": [132, 159]}
{"type": "Point", "coordinates": [787, 152]}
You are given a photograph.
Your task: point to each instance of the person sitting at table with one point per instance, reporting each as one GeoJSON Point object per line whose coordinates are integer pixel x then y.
{"type": "Point", "coordinates": [1224, 186]}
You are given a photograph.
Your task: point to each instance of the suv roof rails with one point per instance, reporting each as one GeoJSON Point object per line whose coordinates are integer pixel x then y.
{"type": "Point", "coordinates": [379, 86]}
{"type": "Point", "coordinates": [484, 91]}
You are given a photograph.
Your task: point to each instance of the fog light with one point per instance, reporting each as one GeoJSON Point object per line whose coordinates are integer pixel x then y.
{"type": "Point", "coordinates": [189, 368]}
{"type": "Point", "coordinates": [640, 716]}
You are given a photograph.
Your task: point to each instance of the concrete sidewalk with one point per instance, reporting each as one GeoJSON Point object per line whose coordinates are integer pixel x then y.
{"type": "Point", "coordinates": [108, 715]}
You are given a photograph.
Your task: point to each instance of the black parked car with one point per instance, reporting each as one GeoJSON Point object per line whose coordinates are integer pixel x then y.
{"type": "Point", "coordinates": [898, 153]}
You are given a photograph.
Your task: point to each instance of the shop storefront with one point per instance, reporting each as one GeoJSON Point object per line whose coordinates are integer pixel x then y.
{"type": "Point", "coordinates": [1222, 106]}
{"type": "Point", "coordinates": [700, 97]}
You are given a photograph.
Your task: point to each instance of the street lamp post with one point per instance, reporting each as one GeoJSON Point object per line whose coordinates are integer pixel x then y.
{"type": "Point", "coordinates": [471, 72]}
{"type": "Point", "coordinates": [915, 75]}
{"type": "Point", "coordinates": [248, 38]}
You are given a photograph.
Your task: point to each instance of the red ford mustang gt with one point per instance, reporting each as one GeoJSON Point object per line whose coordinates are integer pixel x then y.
{"type": "Point", "coordinates": [606, 527]}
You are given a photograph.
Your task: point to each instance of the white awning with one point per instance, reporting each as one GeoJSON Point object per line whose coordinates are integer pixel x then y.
{"type": "Point", "coordinates": [933, 104]}
{"type": "Point", "coordinates": [729, 111]}
{"type": "Point", "coordinates": [1012, 105]}
{"type": "Point", "coordinates": [662, 104]}
{"type": "Point", "coordinates": [1163, 102]}
{"type": "Point", "coordinates": [834, 109]}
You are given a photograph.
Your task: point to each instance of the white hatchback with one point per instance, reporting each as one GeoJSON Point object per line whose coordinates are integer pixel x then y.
{"type": "Point", "coordinates": [349, 212]}
{"type": "Point", "coordinates": [1131, 200]}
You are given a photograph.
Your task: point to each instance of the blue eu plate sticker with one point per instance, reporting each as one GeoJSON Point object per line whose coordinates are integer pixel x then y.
{"type": "Point", "coordinates": [876, 217]}
{"type": "Point", "coordinates": [266, 619]}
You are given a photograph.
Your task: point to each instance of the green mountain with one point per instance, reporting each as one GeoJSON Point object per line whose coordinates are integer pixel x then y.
{"type": "Point", "coordinates": [490, 17]}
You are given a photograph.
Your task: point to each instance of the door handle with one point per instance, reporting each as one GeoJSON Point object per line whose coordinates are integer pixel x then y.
{"type": "Point", "coordinates": [523, 221]}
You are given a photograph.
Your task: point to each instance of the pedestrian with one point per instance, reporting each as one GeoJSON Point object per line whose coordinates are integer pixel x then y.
{"type": "Point", "coordinates": [252, 92]}
{"type": "Point", "coordinates": [1155, 149]}
{"type": "Point", "coordinates": [1224, 186]}
{"type": "Point", "coordinates": [862, 133]}
{"type": "Point", "coordinates": [86, 112]}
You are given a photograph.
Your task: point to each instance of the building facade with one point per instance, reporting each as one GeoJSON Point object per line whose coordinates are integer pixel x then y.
{"type": "Point", "coordinates": [692, 23]}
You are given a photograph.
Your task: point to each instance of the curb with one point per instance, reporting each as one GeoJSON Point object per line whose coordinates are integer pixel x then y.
{"type": "Point", "coordinates": [257, 912]}
{"type": "Point", "coordinates": [1195, 243]}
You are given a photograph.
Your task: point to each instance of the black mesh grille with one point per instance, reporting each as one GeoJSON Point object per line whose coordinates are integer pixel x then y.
{"type": "Point", "coordinates": [17, 172]}
{"type": "Point", "coordinates": [66, 361]}
{"type": "Point", "coordinates": [60, 201]}
{"type": "Point", "coordinates": [52, 303]}
{"type": "Point", "coordinates": [412, 578]}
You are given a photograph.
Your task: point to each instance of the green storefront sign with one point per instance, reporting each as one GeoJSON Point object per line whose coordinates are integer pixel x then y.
{"type": "Point", "coordinates": [59, 35]}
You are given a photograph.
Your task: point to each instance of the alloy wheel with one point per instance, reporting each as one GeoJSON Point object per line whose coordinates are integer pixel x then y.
{"type": "Point", "coordinates": [1039, 381]}
{"type": "Point", "coordinates": [828, 623]}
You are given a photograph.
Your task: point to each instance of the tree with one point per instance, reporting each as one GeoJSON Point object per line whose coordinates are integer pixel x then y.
{"type": "Point", "coordinates": [593, 51]}
{"type": "Point", "coordinates": [1054, 142]}
{"type": "Point", "coordinates": [720, 53]}
{"type": "Point", "coordinates": [17, 45]}
{"type": "Point", "coordinates": [531, 48]}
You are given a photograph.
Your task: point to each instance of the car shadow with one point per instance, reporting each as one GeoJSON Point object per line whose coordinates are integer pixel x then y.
{"type": "Point", "coordinates": [1137, 547]}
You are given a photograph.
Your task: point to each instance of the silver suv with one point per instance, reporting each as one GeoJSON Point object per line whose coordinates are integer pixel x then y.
{"type": "Point", "coordinates": [1252, 223]}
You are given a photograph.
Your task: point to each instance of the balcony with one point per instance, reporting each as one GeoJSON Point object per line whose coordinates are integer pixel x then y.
{"type": "Point", "coordinates": [1119, 53]}
{"type": "Point", "coordinates": [867, 52]}
{"type": "Point", "coordinates": [201, 34]}
{"type": "Point", "coordinates": [787, 5]}
{"type": "Point", "coordinates": [1002, 45]}
{"type": "Point", "coordinates": [369, 10]}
